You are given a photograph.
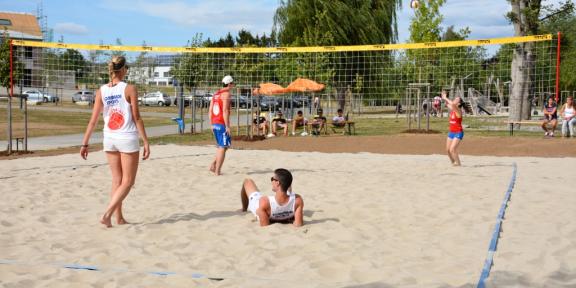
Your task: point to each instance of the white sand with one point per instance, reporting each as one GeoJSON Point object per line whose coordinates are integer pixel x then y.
{"type": "Point", "coordinates": [370, 220]}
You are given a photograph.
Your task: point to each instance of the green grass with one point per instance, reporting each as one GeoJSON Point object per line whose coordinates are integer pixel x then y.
{"type": "Point", "coordinates": [50, 123]}
{"type": "Point", "coordinates": [184, 139]}
{"type": "Point", "coordinates": [476, 126]}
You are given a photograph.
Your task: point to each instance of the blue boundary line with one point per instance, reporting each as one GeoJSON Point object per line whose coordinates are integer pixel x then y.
{"type": "Point", "coordinates": [94, 268]}
{"type": "Point", "coordinates": [496, 233]}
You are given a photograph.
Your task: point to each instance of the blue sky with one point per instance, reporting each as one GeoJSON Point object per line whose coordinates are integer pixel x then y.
{"type": "Point", "coordinates": [174, 22]}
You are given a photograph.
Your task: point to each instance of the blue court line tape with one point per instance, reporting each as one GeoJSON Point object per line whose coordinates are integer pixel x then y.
{"type": "Point", "coordinates": [496, 233]}
{"type": "Point", "coordinates": [94, 268]}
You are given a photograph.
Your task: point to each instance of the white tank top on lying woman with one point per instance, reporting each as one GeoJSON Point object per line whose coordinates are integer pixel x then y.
{"type": "Point", "coordinates": [117, 112]}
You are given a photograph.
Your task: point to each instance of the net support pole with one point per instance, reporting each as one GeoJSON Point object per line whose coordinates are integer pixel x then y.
{"type": "Point", "coordinates": [558, 68]}
{"type": "Point", "coordinates": [10, 98]}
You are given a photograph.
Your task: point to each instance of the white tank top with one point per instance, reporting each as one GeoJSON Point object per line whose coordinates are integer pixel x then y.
{"type": "Point", "coordinates": [279, 213]}
{"type": "Point", "coordinates": [569, 112]}
{"type": "Point", "coordinates": [117, 112]}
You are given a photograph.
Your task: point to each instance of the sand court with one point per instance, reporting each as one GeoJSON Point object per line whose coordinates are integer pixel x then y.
{"type": "Point", "coordinates": [370, 219]}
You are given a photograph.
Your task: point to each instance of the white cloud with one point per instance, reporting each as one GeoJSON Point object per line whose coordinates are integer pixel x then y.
{"type": "Point", "coordinates": [215, 16]}
{"type": "Point", "coordinates": [70, 28]}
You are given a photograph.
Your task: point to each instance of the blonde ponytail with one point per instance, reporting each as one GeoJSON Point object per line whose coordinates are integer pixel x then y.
{"type": "Point", "coordinates": [115, 65]}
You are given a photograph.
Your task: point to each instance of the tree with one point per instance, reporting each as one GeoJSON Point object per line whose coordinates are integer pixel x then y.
{"type": "Point", "coordinates": [118, 53]}
{"type": "Point", "coordinates": [73, 60]}
{"type": "Point", "coordinates": [564, 22]}
{"type": "Point", "coordinates": [525, 16]}
{"type": "Point", "coordinates": [5, 63]}
{"type": "Point", "coordinates": [340, 22]}
{"type": "Point", "coordinates": [188, 67]}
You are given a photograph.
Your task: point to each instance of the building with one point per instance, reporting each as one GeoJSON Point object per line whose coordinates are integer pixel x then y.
{"type": "Point", "coordinates": [153, 71]}
{"type": "Point", "coordinates": [24, 26]}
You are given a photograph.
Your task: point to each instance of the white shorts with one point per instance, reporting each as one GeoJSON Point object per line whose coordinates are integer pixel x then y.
{"type": "Point", "coordinates": [254, 202]}
{"type": "Point", "coordinates": [121, 145]}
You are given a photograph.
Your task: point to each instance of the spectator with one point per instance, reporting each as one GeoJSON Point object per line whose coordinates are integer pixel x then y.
{"type": "Point", "coordinates": [568, 119]}
{"type": "Point", "coordinates": [436, 106]}
{"type": "Point", "coordinates": [279, 122]}
{"type": "Point", "coordinates": [318, 124]}
{"type": "Point", "coordinates": [259, 123]}
{"type": "Point", "coordinates": [550, 117]}
{"type": "Point", "coordinates": [339, 120]}
{"type": "Point", "coordinates": [298, 121]}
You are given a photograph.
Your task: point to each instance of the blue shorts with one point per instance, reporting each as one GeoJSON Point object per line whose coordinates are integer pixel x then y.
{"type": "Point", "coordinates": [222, 138]}
{"type": "Point", "coordinates": [459, 135]}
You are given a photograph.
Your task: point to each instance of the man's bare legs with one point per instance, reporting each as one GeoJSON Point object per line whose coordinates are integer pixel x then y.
{"type": "Point", "coordinates": [248, 187]}
{"type": "Point", "coordinates": [216, 165]}
{"type": "Point", "coordinates": [124, 167]}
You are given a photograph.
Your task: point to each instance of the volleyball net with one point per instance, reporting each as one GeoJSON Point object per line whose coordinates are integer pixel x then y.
{"type": "Point", "coordinates": [357, 79]}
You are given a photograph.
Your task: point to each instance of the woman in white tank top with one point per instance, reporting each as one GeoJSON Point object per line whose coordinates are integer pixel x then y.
{"type": "Point", "coordinates": [568, 114]}
{"type": "Point", "coordinates": [118, 102]}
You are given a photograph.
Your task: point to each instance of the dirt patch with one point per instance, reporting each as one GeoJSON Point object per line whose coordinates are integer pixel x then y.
{"type": "Point", "coordinates": [421, 131]}
{"type": "Point", "coordinates": [247, 138]}
{"type": "Point", "coordinates": [414, 144]}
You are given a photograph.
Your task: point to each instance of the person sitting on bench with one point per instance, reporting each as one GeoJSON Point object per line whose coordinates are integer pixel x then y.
{"type": "Point", "coordinates": [279, 122]}
{"type": "Point", "coordinates": [318, 123]}
{"type": "Point", "coordinates": [550, 117]}
{"type": "Point", "coordinates": [259, 123]}
{"type": "Point", "coordinates": [339, 120]}
{"type": "Point", "coordinates": [298, 121]}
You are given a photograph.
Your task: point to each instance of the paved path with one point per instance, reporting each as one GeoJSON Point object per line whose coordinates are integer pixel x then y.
{"type": "Point", "coordinates": [53, 142]}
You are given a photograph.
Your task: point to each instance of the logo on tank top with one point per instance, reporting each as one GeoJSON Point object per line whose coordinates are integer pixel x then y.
{"type": "Point", "coordinates": [216, 109]}
{"type": "Point", "coordinates": [116, 119]}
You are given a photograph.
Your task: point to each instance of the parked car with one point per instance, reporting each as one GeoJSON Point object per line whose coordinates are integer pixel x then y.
{"type": "Point", "coordinates": [155, 98]}
{"type": "Point", "coordinates": [269, 103]}
{"type": "Point", "coordinates": [39, 96]}
{"type": "Point", "coordinates": [200, 99]}
{"type": "Point", "coordinates": [83, 96]}
{"type": "Point", "coordinates": [301, 101]}
{"type": "Point", "coordinates": [243, 101]}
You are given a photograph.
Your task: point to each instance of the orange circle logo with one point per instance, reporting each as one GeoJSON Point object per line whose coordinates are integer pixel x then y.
{"type": "Point", "coordinates": [115, 121]}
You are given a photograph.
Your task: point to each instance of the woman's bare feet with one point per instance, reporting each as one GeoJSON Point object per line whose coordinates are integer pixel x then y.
{"type": "Point", "coordinates": [122, 221]}
{"type": "Point", "coordinates": [213, 167]}
{"type": "Point", "coordinates": [106, 221]}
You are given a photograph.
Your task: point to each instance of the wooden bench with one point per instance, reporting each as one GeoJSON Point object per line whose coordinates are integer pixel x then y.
{"type": "Point", "coordinates": [511, 124]}
{"type": "Point", "coordinates": [349, 127]}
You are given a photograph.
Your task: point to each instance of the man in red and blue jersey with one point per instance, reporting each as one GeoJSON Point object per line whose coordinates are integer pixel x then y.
{"type": "Point", "coordinates": [220, 121]}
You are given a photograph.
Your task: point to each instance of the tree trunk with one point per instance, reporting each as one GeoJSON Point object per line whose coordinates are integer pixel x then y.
{"type": "Point", "coordinates": [522, 66]}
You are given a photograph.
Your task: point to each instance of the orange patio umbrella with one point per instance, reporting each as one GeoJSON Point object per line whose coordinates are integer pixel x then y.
{"type": "Point", "coordinates": [271, 89]}
{"type": "Point", "coordinates": [304, 85]}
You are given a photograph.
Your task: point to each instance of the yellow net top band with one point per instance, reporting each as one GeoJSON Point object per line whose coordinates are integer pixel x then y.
{"type": "Point", "coordinates": [380, 47]}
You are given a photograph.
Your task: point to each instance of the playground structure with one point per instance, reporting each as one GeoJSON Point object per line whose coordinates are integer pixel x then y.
{"type": "Point", "coordinates": [491, 100]}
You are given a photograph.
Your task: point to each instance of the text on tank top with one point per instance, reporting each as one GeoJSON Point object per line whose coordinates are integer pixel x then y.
{"type": "Point", "coordinates": [117, 111]}
{"type": "Point", "coordinates": [284, 212]}
{"type": "Point", "coordinates": [550, 108]}
{"type": "Point", "coordinates": [455, 122]}
{"type": "Point", "coordinates": [217, 113]}
{"type": "Point", "coordinates": [569, 112]}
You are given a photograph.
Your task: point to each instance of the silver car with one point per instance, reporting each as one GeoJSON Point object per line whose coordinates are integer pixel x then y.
{"type": "Point", "coordinates": [156, 98]}
{"type": "Point", "coordinates": [39, 96]}
{"type": "Point", "coordinates": [83, 96]}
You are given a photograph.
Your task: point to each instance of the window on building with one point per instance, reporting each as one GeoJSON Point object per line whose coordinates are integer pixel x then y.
{"type": "Point", "coordinates": [28, 52]}
{"type": "Point", "coordinates": [5, 22]}
{"type": "Point", "coordinates": [156, 74]}
{"type": "Point", "coordinates": [166, 74]}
